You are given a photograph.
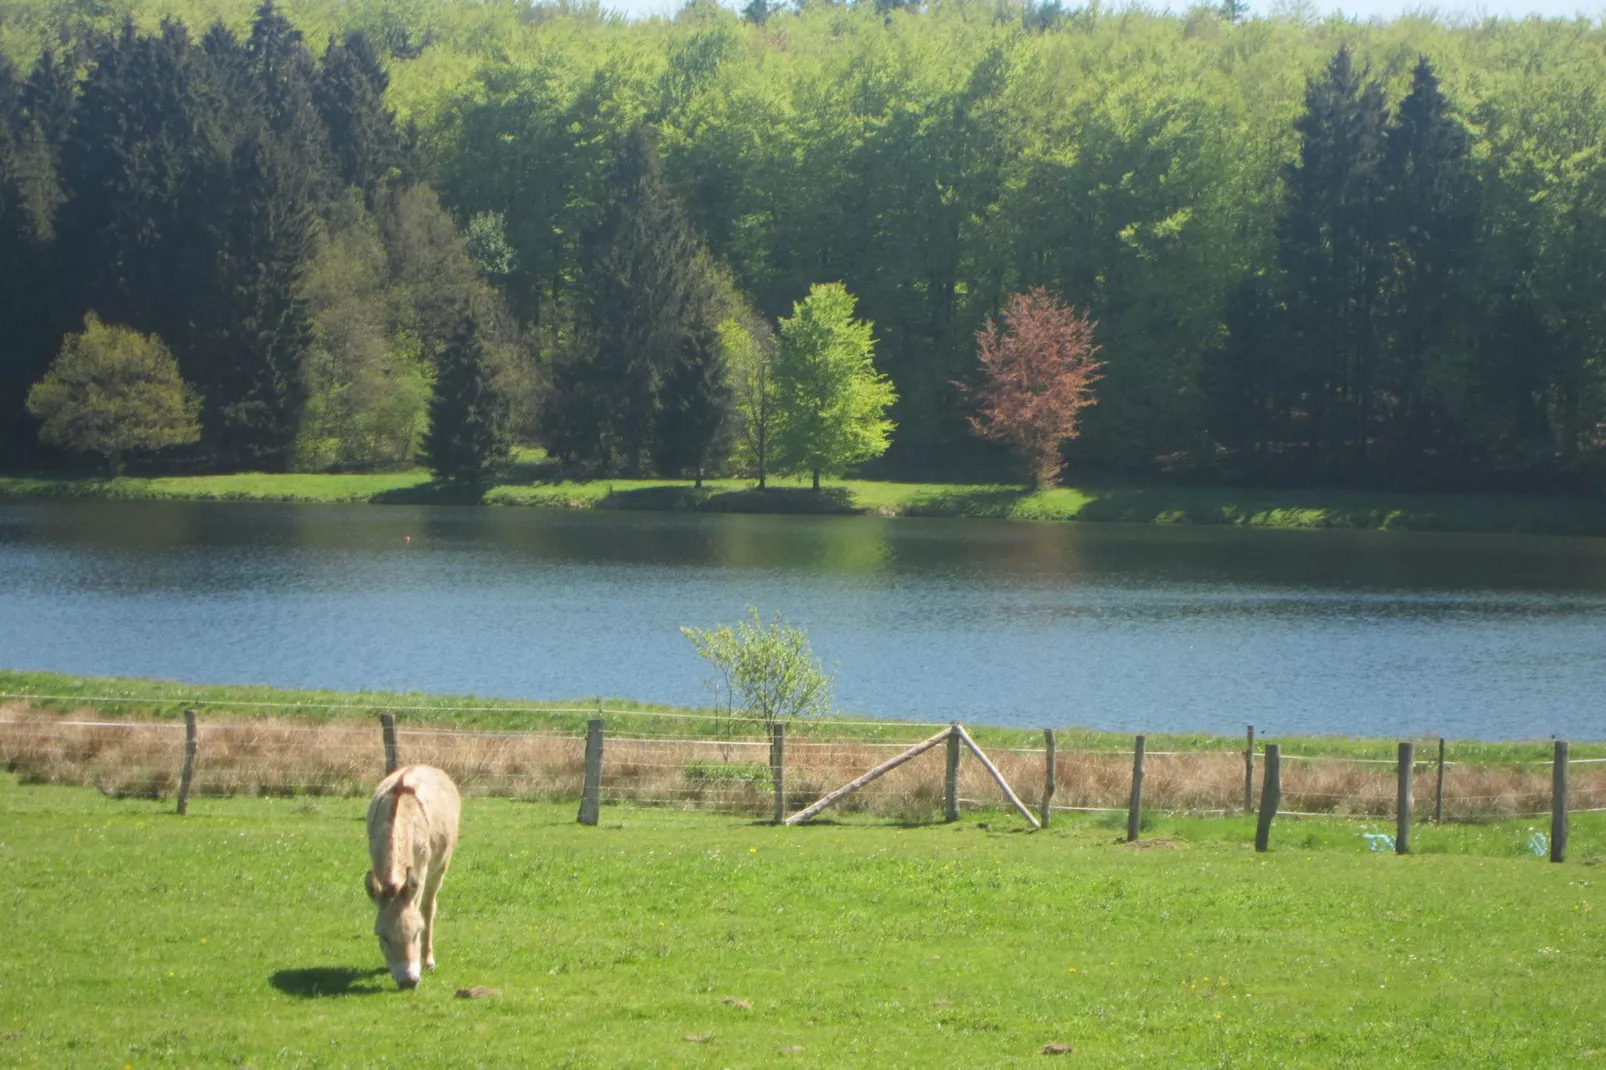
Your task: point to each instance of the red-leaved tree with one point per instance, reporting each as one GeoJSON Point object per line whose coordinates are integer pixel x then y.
{"type": "Point", "coordinates": [1037, 376]}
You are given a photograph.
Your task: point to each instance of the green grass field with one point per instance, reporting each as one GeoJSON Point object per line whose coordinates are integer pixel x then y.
{"type": "Point", "coordinates": [530, 483]}
{"type": "Point", "coordinates": [240, 936]}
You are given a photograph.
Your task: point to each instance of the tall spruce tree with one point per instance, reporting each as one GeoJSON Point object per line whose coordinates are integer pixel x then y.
{"type": "Point", "coordinates": [141, 133]}
{"type": "Point", "coordinates": [350, 94]}
{"type": "Point", "coordinates": [25, 270]}
{"type": "Point", "coordinates": [468, 439]}
{"type": "Point", "coordinates": [254, 385]}
{"type": "Point", "coordinates": [1432, 222]}
{"type": "Point", "coordinates": [694, 429]}
{"type": "Point", "coordinates": [647, 309]}
{"type": "Point", "coordinates": [1333, 248]}
{"type": "Point", "coordinates": [282, 77]}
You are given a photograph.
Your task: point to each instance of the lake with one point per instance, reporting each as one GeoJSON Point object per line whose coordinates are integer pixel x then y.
{"type": "Point", "coordinates": [1126, 627]}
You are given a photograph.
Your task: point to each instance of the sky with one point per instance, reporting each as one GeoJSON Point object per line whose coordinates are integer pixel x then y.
{"type": "Point", "coordinates": [1364, 9]}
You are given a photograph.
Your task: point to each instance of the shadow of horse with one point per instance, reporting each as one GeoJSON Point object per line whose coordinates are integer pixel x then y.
{"type": "Point", "coordinates": [320, 982]}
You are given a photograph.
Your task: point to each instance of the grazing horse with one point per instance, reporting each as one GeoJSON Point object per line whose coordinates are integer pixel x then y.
{"type": "Point", "coordinates": [412, 832]}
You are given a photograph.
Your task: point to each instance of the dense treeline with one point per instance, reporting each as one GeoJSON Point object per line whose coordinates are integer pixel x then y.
{"type": "Point", "coordinates": [254, 211]}
{"type": "Point", "coordinates": [1322, 252]}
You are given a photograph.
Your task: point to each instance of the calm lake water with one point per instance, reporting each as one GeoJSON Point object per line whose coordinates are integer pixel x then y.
{"type": "Point", "coordinates": [1115, 626]}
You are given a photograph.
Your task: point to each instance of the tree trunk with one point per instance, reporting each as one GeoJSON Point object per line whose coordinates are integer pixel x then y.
{"type": "Point", "coordinates": [816, 479]}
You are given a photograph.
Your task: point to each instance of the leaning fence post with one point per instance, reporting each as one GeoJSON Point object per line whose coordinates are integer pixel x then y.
{"type": "Point", "coordinates": [1134, 811]}
{"type": "Point", "coordinates": [1048, 774]}
{"type": "Point", "coordinates": [950, 791]}
{"type": "Point", "coordinates": [188, 775]}
{"type": "Point", "coordinates": [1405, 800]}
{"type": "Point", "coordinates": [778, 768]}
{"type": "Point", "coordinates": [1249, 769]}
{"type": "Point", "coordinates": [1438, 787]}
{"type": "Point", "coordinates": [1271, 794]}
{"type": "Point", "coordinates": [387, 729]}
{"type": "Point", "coordinates": [1558, 804]}
{"type": "Point", "coordinates": [591, 794]}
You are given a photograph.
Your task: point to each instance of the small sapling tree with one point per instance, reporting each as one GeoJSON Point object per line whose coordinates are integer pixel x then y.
{"type": "Point", "coordinates": [114, 391]}
{"type": "Point", "coordinates": [1037, 376]}
{"type": "Point", "coordinates": [768, 671]}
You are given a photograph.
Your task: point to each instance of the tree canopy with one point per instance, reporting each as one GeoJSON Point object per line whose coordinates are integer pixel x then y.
{"type": "Point", "coordinates": [1317, 250]}
{"type": "Point", "coordinates": [1037, 377]}
{"type": "Point", "coordinates": [114, 391]}
{"type": "Point", "coordinates": [830, 402]}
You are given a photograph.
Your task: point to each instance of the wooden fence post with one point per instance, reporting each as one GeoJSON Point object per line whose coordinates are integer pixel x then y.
{"type": "Point", "coordinates": [1271, 794]}
{"type": "Point", "coordinates": [387, 729]}
{"type": "Point", "coordinates": [950, 790]}
{"type": "Point", "coordinates": [1249, 770]}
{"type": "Point", "coordinates": [1134, 810]}
{"type": "Point", "coordinates": [1558, 804]}
{"type": "Point", "coordinates": [778, 768]}
{"type": "Point", "coordinates": [591, 794]}
{"type": "Point", "coordinates": [1438, 788]}
{"type": "Point", "coordinates": [1048, 773]}
{"type": "Point", "coordinates": [1405, 800]}
{"type": "Point", "coordinates": [188, 775]}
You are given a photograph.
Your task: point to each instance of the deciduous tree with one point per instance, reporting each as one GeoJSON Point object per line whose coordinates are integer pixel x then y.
{"type": "Point", "coordinates": [1037, 376]}
{"type": "Point", "coordinates": [114, 391]}
{"type": "Point", "coordinates": [749, 347]}
{"type": "Point", "coordinates": [831, 402]}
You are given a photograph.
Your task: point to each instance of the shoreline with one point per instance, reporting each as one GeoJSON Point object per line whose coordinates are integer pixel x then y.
{"type": "Point", "coordinates": [1469, 513]}
{"type": "Point", "coordinates": [166, 700]}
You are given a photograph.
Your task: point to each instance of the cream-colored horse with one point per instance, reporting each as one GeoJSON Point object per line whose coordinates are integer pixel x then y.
{"type": "Point", "coordinates": [412, 832]}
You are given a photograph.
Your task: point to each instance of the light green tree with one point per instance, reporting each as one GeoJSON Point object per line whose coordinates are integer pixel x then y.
{"type": "Point", "coordinates": [113, 391]}
{"type": "Point", "coordinates": [831, 402]}
{"type": "Point", "coordinates": [768, 672]}
{"type": "Point", "coordinates": [749, 348]}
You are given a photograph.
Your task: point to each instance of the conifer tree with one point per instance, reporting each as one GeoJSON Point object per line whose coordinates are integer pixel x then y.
{"type": "Point", "coordinates": [28, 279]}
{"type": "Point", "coordinates": [1333, 248]}
{"type": "Point", "coordinates": [261, 328]}
{"type": "Point", "coordinates": [141, 134]}
{"type": "Point", "coordinates": [282, 75]}
{"type": "Point", "coordinates": [647, 307]}
{"type": "Point", "coordinates": [468, 437]}
{"type": "Point", "coordinates": [693, 427]}
{"type": "Point", "coordinates": [350, 94]}
{"type": "Point", "coordinates": [1432, 224]}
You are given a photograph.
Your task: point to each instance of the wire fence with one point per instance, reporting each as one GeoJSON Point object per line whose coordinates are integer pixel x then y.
{"type": "Point", "coordinates": [671, 768]}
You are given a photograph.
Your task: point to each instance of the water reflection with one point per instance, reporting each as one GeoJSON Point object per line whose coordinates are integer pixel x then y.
{"type": "Point", "coordinates": [1118, 626]}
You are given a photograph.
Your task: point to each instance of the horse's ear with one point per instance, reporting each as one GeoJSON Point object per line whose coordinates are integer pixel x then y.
{"type": "Point", "coordinates": [371, 882]}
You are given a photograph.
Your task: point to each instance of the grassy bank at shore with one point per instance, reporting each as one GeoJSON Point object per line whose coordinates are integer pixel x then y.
{"type": "Point", "coordinates": [241, 935]}
{"type": "Point", "coordinates": [124, 697]}
{"type": "Point", "coordinates": [528, 485]}
{"type": "Point", "coordinates": [120, 736]}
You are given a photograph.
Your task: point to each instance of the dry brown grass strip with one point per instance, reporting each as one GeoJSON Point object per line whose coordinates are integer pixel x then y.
{"type": "Point", "coordinates": [277, 756]}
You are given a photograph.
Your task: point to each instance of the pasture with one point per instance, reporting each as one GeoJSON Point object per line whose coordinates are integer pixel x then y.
{"type": "Point", "coordinates": [241, 936]}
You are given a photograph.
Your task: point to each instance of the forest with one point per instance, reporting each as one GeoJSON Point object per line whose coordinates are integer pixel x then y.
{"type": "Point", "coordinates": [1312, 251]}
